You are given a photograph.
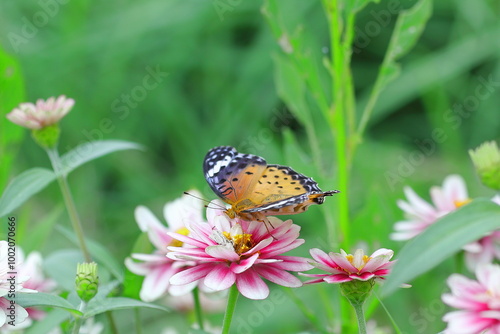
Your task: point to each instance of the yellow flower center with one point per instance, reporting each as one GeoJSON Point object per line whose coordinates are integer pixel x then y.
{"type": "Point", "coordinates": [178, 243]}
{"type": "Point", "coordinates": [241, 242]}
{"type": "Point", "coordinates": [460, 203]}
{"type": "Point", "coordinates": [358, 266]}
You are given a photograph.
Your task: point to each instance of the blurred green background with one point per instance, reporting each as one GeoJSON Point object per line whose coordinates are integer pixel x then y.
{"type": "Point", "coordinates": [181, 77]}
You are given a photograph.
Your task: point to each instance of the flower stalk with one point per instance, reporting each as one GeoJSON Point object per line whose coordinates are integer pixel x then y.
{"type": "Point", "coordinates": [231, 305]}
{"type": "Point", "coordinates": [197, 308]}
{"type": "Point", "coordinates": [69, 202]}
{"type": "Point", "coordinates": [360, 315]}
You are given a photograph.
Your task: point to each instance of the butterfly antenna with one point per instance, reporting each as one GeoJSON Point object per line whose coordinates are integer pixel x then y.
{"type": "Point", "coordinates": [217, 206]}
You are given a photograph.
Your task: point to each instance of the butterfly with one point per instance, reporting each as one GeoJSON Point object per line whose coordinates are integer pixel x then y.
{"type": "Point", "coordinates": [255, 189]}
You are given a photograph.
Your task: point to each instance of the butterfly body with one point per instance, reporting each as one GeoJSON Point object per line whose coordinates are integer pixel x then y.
{"type": "Point", "coordinates": [255, 189]}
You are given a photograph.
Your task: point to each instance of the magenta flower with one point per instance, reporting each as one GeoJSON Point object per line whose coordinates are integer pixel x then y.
{"type": "Point", "coordinates": [478, 301]}
{"type": "Point", "coordinates": [342, 267]}
{"type": "Point", "coordinates": [156, 267]}
{"type": "Point", "coordinates": [41, 114]}
{"type": "Point", "coordinates": [239, 252]}
{"type": "Point", "coordinates": [420, 214]}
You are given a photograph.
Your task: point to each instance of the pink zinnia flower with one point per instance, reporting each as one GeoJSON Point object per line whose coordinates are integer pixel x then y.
{"type": "Point", "coordinates": [42, 114]}
{"type": "Point", "coordinates": [157, 267]}
{"type": "Point", "coordinates": [239, 252]}
{"type": "Point", "coordinates": [478, 301]}
{"type": "Point", "coordinates": [342, 267]}
{"type": "Point", "coordinates": [420, 214]}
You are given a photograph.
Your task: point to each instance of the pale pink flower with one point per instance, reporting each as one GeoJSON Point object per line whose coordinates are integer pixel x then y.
{"type": "Point", "coordinates": [157, 267]}
{"type": "Point", "coordinates": [10, 259]}
{"type": "Point", "coordinates": [41, 114]}
{"type": "Point", "coordinates": [239, 252]}
{"type": "Point", "coordinates": [10, 262]}
{"type": "Point", "coordinates": [12, 316]}
{"type": "Point", "coordinates": [420, 214]}
{"type": "Point", "coordinates": [478, 301]}
{"type": "Point", "coordinates": [486, 249]}
{"type": "Point", "coordinates": [342, 267]}
{"type": "Point", "coordinates": [32, 267]}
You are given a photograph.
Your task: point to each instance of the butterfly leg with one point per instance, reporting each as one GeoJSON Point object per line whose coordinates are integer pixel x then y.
{"type": "Point", "coordinates": [263, 219]}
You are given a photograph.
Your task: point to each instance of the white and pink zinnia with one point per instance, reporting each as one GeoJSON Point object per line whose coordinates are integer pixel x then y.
{"type": "Point", "coordinates": [229, 252]}
{"type": "Point", "coordinates": [420, 214]}
{"type": "Point", "coordinates": [157, 267]}
{"type": "Point", "coordinates": [478, 302]}
{"type": "Point", "coordinates": [342, 267]}
{"type": "Point", "coordinates": [42, 114]}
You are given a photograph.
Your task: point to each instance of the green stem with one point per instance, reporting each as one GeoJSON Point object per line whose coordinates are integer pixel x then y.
{"type": "Point", "coordinates": [337, 119]}
{"type": "Point", "coordinates": [68, 200]}
{"type": "Point", "coordinates": [197, 308]}
{"type": "Point", "coordinates": [79, 320]}
{"type": "Point", "coordinates": [360, 315]}
{"type": "Point", "coordinates": [231, 305]}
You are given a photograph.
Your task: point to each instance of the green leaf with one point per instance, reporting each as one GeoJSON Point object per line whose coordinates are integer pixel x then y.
{"type": "Point", "coordinates": [98, 252]}
{"type": "Point", "coordinates": [39, 232]}
{"type": "Point", "coordinates": [442, 239]}
{"type": "Point", "coordinates": [23, 186]}
{"type": "Point", "coordinates": [98, 306]}
{"type": "Point", "coordinates": [92, 150]}
{"type": "Point", "coordinates": [61, 266]}
{"type": "Point", "coordinates": [30, 182]}
{"type": "Point", "coordinates": [51, 320]}
{"type": "Point", "coordinates": [45, 299]}
{"type": "Point", "coordinates": [409, 27]}
{"type": "Point", "coordinates": [357, 5]}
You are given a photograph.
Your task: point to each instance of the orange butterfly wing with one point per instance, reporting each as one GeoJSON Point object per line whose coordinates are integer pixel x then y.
{"type": "Point", "coordinates": [253, 188]}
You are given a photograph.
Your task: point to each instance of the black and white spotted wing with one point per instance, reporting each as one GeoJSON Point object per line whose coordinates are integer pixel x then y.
{"type": "Point", "coordinates": [232, 175]}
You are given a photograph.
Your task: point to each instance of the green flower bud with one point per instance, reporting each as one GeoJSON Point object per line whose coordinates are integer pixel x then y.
{"type": "Point", "coordinates": [486, 159]}
{"type": "Point", "coordinates": [46, 137]}
{"type": "Point", "coordinates": [357, 291]}
{"type": "Point", "coordinates": [86, 281]}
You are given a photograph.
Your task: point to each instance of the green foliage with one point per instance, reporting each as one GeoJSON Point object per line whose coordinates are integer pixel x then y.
{"type": "Point", "coordinates": [263, 77]}
{"type": "Point", "coordinates": [443, 239]}
{"type": "Point", "coordinates": [30, 182]}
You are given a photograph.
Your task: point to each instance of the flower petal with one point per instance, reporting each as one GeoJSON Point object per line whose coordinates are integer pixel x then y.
{"type": "Point", "coordinates": [220, 278]}
{"type": "Point", "coordinates": [251, 285]}
{"type": "Point", "coordinates": [191, 274]}
{"type": "Point", "coordinates": [222, 252]}
{"type": "Point", "coordinates": [278, 276]}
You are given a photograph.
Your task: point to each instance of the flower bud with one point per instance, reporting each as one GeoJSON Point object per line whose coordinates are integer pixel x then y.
{"type": "Point", "coordinates": [357, 291]}
{"type": "Point", "coordinates": [86, 281]}
{"type": "Point", "coordinates": [486, 159]}
{"type": "Point", "coordinates": [46, 137]}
